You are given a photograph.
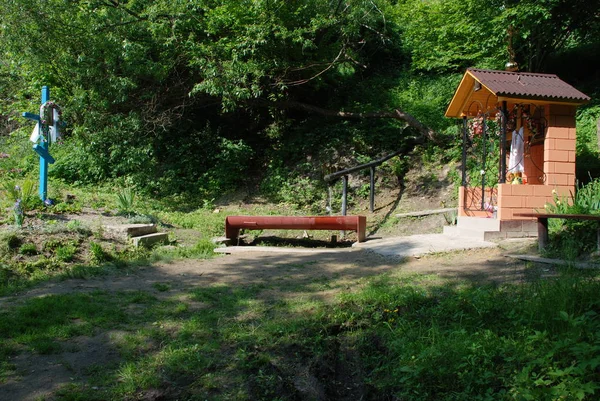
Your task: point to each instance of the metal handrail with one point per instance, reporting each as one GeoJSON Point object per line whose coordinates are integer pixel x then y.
{"type": "Point", "coordinates": [344, 175]}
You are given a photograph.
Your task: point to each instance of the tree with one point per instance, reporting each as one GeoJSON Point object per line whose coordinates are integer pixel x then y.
{"type": "Point", "coordinates": [451, 35]}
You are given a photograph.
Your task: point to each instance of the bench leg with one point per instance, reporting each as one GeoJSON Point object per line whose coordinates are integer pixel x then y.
{"type": "Point", "coordinates": [361, 229]}
{"type": "Point", "coordinates": [231, 232]}
{"type": "Point", "coordinates": [542, 224]}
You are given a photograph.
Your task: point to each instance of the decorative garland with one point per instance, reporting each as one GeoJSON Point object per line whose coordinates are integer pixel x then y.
{"type": "Point", "coordinates": [47, 115]}
{"type": "Point", "coordinates": [534, 124]}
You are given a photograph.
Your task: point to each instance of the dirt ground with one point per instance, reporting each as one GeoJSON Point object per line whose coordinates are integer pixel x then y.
{"type": "Point", "coordinates": [342, 269]}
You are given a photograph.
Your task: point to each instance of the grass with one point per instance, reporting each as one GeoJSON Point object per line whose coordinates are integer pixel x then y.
{"type": "Point", "coordinates": [391, 337]}
{"type": "Point", "coordinates": [396, 337]}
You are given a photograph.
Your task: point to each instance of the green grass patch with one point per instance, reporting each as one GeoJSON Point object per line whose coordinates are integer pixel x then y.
{"type": "Point", "coordinates": [396, 337]}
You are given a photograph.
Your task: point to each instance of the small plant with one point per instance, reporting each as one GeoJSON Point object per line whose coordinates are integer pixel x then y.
{"type": "Point", "coordinates": [28, 249]}
{"type": "Point", "coordinates": [24, 193]}
{"type": "Point", "coordinates": [125, 202]}
{"type": "Point", "coordinates": [66, 253]}
{"type": "Point", "coordinates": [570, 239]}
{"type": "Point", "coordinates": [51, 245]}
{"type": "Point", "coordinates": [97, 254]}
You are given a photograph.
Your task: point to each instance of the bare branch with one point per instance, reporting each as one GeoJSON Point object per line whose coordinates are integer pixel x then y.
{"type": "Point", "coordinates": [397, 114]}
{"type": "Point", "coordinates": [329, 66]}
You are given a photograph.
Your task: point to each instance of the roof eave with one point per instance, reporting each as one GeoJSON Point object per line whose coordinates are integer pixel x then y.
{"type": "Point", "coordinates": [541, 99]}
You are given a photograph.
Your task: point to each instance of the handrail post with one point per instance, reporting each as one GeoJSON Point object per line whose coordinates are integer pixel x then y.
{"type": "Point", "coordinates": [344, 194]}
{"type": "Point", "coordinates": [372, 191]}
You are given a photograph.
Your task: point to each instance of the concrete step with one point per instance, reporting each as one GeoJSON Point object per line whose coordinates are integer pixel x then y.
{"type": "Point", "coordinates": [457, 232]}
{"type": "Point", "coordinates": [125, 231]}
{"type": "Point", "coordinates": [478, 223]}
{"type": "Point", "coordinates": [148, 240]}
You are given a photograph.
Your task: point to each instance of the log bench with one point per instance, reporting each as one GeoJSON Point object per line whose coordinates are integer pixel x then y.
{"type": "Point", "coordinates": [542, 224]}
{"type": "Point", "coordinates": [233, 224]}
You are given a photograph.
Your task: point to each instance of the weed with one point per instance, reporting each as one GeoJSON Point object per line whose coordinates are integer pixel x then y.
{"type": "Point", "coordinates": [51, 245]}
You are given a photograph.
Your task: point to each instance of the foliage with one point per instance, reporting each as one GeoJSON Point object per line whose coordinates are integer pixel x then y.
{"type": "Point", "coordinates": [571, 238]}
{"type": "Point", "coordinates": [453, 35]}
{"type": "Point", "coordinates": [172, 97]}
{"type": "Point", "coordinates": [531, 342]}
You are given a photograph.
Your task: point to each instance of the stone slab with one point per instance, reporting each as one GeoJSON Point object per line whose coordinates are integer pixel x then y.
{"type": "Point", "coordinates": [556, 262]}
{"type": "Point", "coordinates": [150, 239]}
{"type": "Point", "coordinates": [125, 231]}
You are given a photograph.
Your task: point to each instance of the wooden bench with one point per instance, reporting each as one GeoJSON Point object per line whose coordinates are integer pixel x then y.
{"type": "Point", "coordinates": [542, 224]}
{"type": "Point", "coordinates": [233, 224]}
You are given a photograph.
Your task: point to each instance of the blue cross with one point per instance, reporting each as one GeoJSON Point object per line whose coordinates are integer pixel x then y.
{"type": "Point", "coordinates": [42, 149]}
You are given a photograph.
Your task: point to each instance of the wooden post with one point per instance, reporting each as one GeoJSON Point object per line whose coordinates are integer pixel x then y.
{"type": "Point", "coordinates": [503, 144]}
{"type": "Point", "coordinates": [372, 192]}
{"type": "Point", "coordinates": [464, 153]}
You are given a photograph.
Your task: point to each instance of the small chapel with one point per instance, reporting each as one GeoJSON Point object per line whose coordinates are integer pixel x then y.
{"type": "Point", "coordinates": [518, 148]}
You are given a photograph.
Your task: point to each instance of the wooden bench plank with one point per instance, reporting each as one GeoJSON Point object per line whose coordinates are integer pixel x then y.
{"type": "Point", "coordinates": [233, 224]}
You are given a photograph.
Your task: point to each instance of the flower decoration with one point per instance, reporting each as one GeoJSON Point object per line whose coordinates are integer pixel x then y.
{"type": "Point", "coordinates": [533, 124]}
{"type": "Point", "coordinates": [510, 120]}
{"type": "Point", "coordinates": [475, 126]}
{"type": "Point", "coordinates": [47, 116]}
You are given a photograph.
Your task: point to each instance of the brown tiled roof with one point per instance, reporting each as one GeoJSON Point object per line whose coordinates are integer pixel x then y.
{"type": "Point", "coordinates": [528, 85]}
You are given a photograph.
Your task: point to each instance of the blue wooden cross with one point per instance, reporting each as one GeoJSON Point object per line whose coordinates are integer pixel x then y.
{"type": "Point", "coordinates": [42, 148]}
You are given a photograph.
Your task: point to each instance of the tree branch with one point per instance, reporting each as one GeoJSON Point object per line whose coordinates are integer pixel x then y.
{"type": "Point", "coordinates": [397, 114]}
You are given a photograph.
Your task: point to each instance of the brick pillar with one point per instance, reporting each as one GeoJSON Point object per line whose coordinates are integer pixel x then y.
{"type": "Point", "coordinates": [559, 147]}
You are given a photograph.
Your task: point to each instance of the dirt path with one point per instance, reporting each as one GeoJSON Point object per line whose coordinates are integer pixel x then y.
{"type": "Point", "coordinates": [287, 275]}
